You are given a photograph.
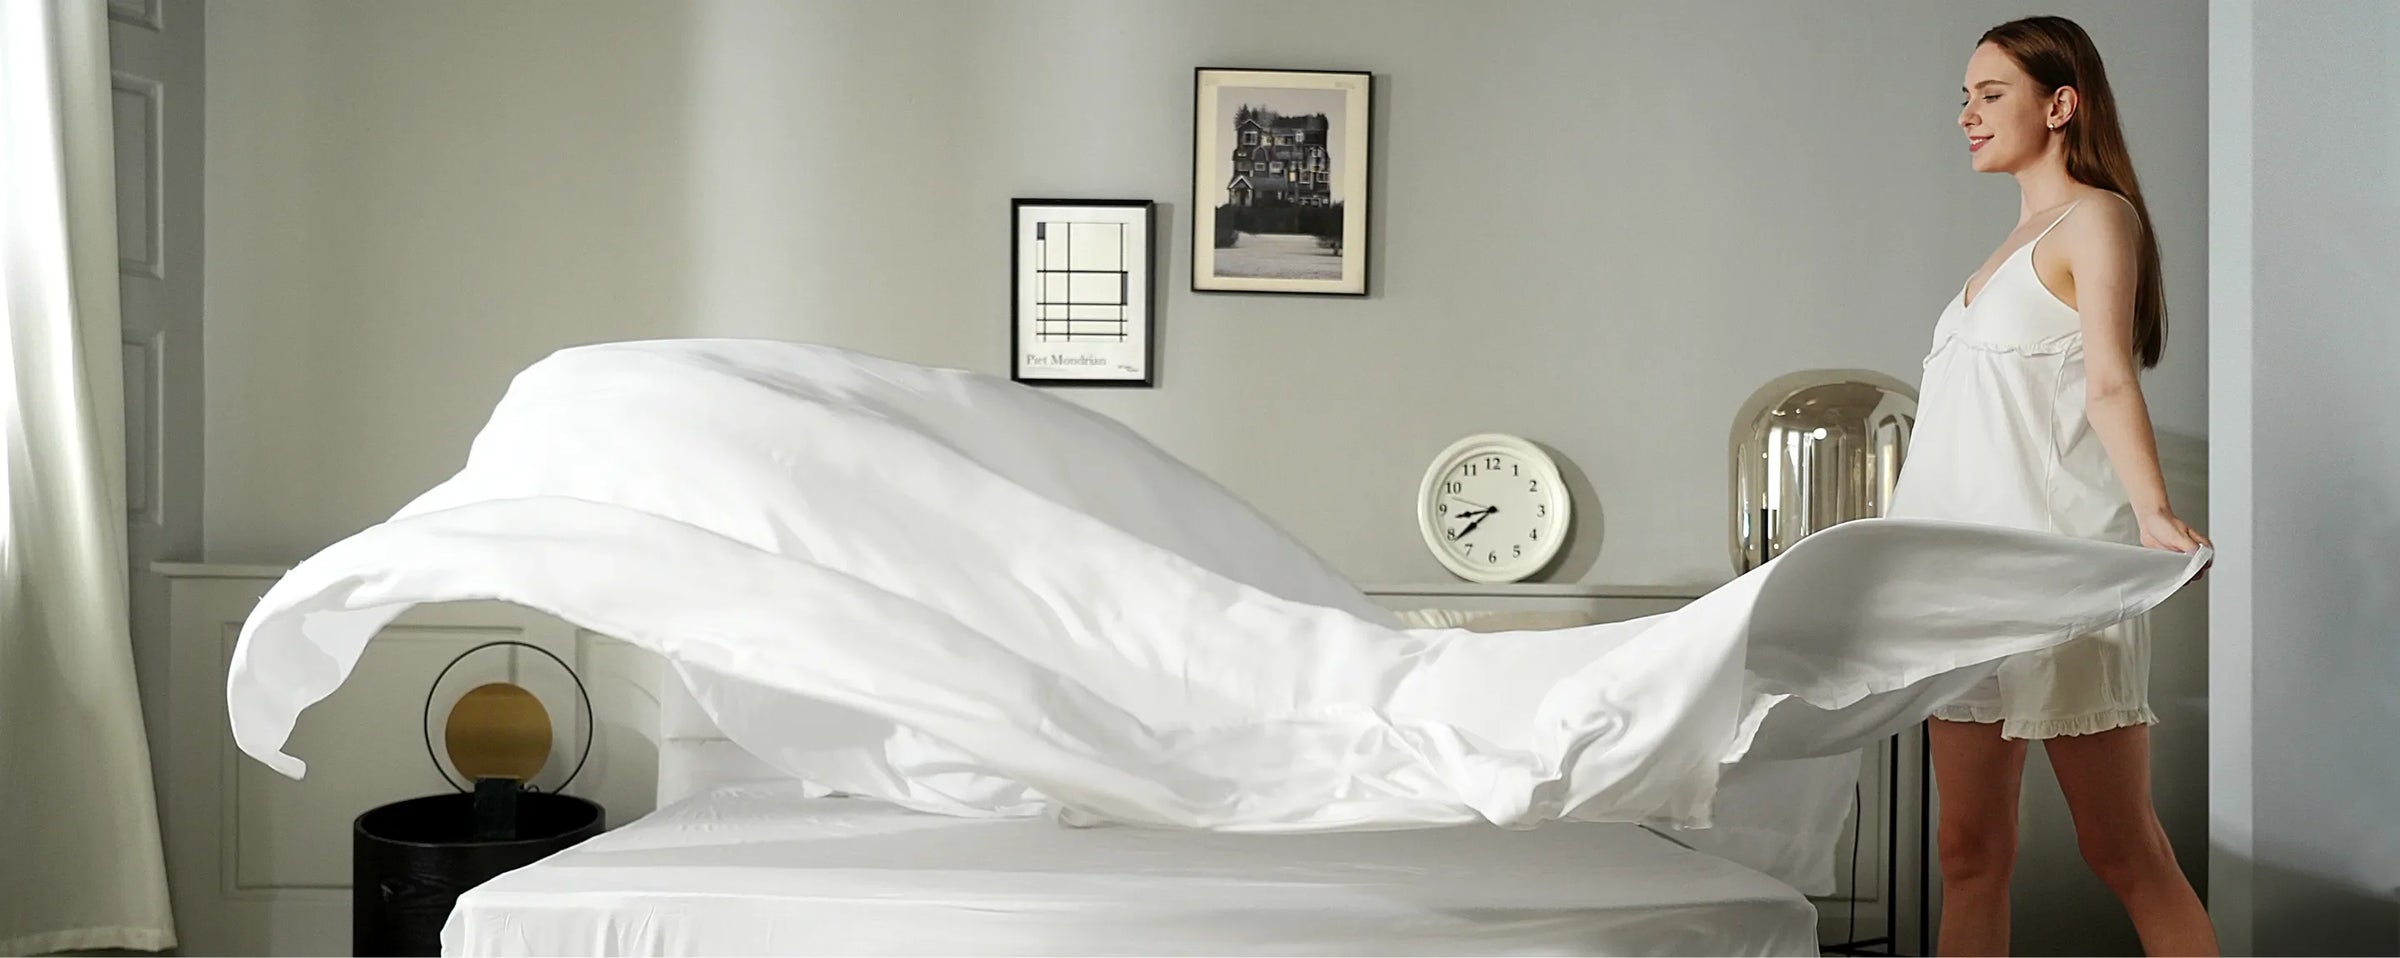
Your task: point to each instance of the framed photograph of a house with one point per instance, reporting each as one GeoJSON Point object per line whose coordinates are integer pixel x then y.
{"type": "Point", "coordinates": [1279, 180]}
{"type": "Point", "coordinates": [1081, 292]}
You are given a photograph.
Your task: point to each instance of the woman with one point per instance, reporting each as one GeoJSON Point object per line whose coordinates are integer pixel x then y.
{"type": "Point", "coordinates": [2032, 416]}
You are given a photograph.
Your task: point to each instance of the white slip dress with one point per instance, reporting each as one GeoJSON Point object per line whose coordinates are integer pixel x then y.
{"type": "Point", "coordinates": [2001, 438]}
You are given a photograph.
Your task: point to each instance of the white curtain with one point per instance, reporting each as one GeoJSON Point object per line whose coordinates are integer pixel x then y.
{"type": "Point", "coordinates": [81, 866]}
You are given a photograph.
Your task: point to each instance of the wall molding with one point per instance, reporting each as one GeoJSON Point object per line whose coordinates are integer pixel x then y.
{"type": "Point", "coordinates": [145, 376]}
{"type": "Point", "coordinates": [150, 259]}
{"type": "Point", "coordinates": [147, 14]}
{"type": "Point", "coordinates": [1536, 590]}
{"type": "Point", "coordinates": [220, 570]}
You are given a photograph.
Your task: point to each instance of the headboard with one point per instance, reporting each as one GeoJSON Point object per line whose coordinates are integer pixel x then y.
{"type": "Point", "coordinates": [694, 756]}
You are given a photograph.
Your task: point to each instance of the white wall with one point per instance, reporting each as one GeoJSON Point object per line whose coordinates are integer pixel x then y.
{"type": "Point", "coordinates": [1598, 224]}
{"type": "Point", "coordinates": [2231, 598]}
{"type": "Point", "coordinates": [2306, 773]}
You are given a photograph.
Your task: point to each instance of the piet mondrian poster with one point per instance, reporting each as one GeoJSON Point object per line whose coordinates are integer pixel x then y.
{"type": "Point", "coordinates": [1082, 293]}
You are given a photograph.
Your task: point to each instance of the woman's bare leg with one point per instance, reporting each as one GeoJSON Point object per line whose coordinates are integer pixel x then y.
{"type": "Point", "coordinates": [2106, 778]}
{"type": "Point", "coordinates": [1979, 774]}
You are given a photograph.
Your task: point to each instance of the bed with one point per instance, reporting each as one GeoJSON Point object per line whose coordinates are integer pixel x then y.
{"type": "Point", "coordinates": [886, 576]}
{"type": "Point", "coordinates": [761, 869]}
{"type": "Point", "coordinates": [739, 861]}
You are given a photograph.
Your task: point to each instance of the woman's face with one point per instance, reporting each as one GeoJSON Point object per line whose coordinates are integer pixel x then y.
{"type": "Point", "coordinates": [2005, 116]}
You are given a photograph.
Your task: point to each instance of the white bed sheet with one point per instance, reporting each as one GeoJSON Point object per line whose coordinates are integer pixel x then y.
{"type": "Point", "coordinates": [765, 869]}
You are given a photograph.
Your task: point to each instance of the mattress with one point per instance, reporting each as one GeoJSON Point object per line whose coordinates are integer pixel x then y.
{"type": "Point", "coordinates": [759, 869]}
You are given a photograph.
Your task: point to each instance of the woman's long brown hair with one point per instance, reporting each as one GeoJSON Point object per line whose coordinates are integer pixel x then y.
{"type": "Point", "coordinates": [2057, 53]}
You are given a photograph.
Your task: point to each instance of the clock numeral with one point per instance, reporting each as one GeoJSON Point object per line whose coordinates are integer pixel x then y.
{"type": "Point", "coordinates": [1512, 470]}
{"type": "Point", "coordinates": [1492, 461]}
{"type": "Point", "coordinates": [1533, 485]}
{"type": "Point", "coordinates": [1491, 557]}
{"type": "Point", "coordinates": [1457, 487]}
{"type": "Point", "coordinates": [1535, 534]}
{"type": "Point", "coordinates": [1518, 551]}
{"type": "Point", "coordinates": [1441, 508]}
{"type": "Point", "coordinates": [1452, 533]}
{"type": "Point", "coordinates": [1470, 470]}
{"type": "Point", "coordinates": [1541, 510]}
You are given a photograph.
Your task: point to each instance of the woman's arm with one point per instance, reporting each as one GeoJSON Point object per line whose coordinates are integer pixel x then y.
{"type": "Point", "coordinates": [2103, 274]}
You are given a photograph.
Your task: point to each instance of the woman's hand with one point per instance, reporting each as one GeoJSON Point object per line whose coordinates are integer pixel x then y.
{"type": "Point", "coordinates": [2161, 530]}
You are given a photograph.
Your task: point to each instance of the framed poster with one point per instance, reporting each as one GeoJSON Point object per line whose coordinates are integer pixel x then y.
{"type": "Point", "coordinates": [1081, 292]}
{"type": "Point", "coordinates": [1279, 180]}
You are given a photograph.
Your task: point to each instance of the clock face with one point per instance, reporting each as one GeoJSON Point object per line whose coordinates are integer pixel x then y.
{"type": "Point", "coordinates": [1493, 509]}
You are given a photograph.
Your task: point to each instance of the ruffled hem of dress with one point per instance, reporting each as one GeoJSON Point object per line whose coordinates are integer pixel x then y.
{"type": "Point", "coordinates": [2037, 729]}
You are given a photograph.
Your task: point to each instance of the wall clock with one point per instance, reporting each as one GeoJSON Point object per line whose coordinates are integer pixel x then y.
{"type": "Point", "coordinates": [1493, 508]}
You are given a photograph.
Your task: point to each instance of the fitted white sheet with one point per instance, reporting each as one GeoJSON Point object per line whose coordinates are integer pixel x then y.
{"type": "Point", "coordinates": [765, 869]}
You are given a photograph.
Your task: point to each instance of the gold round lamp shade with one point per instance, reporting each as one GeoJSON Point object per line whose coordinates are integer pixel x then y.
{"type": "Point", "coordinates": [498, 730]}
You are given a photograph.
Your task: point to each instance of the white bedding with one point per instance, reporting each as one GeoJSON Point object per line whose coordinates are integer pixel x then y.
{"type": "Point", "coordinates": [762, 870]}
{"type": "Point", "coordinates": [944, 590]}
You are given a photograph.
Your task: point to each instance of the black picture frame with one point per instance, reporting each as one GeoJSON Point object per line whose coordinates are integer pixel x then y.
{"type": "Point", "coordinates": [1066, 327]}
{"type": "Point", "coordinates": [1293, 240]}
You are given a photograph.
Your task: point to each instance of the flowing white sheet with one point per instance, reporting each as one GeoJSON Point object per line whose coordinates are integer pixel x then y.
{"type": "Point", "coordinates": [943, 590]}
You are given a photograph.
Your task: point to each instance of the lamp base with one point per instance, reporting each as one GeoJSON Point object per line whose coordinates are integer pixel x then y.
{"type": "Point", "coordinates": [496, 809]}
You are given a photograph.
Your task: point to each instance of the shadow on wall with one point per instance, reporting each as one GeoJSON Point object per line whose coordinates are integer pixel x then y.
{"type": "Point", "coordinates": [1587, 529]}
{"type": "Point", "coordinates": [2308, 913]}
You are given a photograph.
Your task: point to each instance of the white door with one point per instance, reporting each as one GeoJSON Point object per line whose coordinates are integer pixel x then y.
{"type": "Point", "coordinates": [155, 57]}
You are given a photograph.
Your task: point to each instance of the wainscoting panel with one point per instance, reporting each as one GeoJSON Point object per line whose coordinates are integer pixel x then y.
{"type": "Point", "coordinates": [260, 863]}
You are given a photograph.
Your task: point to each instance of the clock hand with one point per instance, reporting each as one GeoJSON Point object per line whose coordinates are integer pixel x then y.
{"type": "Point", "coordinates": [1487, 513]}
{"type": "Point", "coordinates": [1476, 514]}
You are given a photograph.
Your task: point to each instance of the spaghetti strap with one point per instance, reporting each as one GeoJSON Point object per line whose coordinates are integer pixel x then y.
{"type": "Point", "coordinates": [2062, 217]}
{"type": "Point", "coordinates": [2024, 252]}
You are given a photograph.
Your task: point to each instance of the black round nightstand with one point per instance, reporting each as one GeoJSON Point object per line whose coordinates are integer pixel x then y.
{"type": "Point", "coordinates": [411, 859]}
